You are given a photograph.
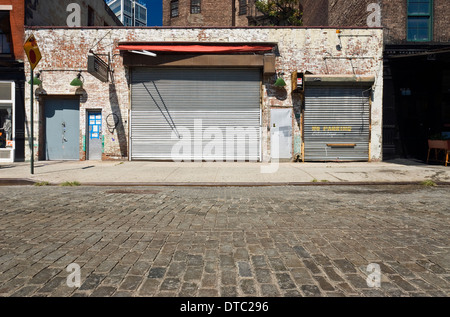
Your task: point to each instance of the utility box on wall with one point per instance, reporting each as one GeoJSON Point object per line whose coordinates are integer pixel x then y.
{"type": "Point", "coordinates": [298, 82]}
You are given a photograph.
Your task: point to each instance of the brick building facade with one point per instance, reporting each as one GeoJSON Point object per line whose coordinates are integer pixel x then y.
{"type": "Point", "coordinates": [209, 13]}
{"type": "Point", "coordinates": [292, 50]}
{"type": "Point", "coordinates": [416, 64]}
{"type": "Point", "coordinates": [315, 12]}
{"type": "Point", "coordinates": [14, 16]}
{"type": "Point", "coordinates": [394, 17]}
{"type": "Point", "coordinates": [55, 13]}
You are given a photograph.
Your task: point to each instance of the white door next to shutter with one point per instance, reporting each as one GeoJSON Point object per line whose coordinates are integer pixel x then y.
{"type": "Point", "coordinates": [281, 134]}
{"type": "Point", "coordinates": [195, 114]}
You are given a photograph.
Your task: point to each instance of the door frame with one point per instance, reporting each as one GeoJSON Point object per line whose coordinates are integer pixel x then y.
{"type": "Point", "coordinates": [362, 87]}
{"type": "Point", "coordinates": [291, 149]}
{"type": "Point", "coordinates": [86, 135]}
{"type": "Point", "coordinates": [43, 125]}
{"type": "Point", "coordinates": [261, 142]}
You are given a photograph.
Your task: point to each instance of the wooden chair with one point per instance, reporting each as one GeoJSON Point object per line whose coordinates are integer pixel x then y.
{"type": "Point", "coordinates": [439, 146]}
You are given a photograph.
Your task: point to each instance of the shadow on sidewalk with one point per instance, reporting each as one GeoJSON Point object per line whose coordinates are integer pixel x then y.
{"type": "Point", "coordinates": [407, 162]}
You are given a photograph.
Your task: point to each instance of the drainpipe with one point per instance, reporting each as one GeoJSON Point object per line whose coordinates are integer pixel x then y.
{"type": "Point", "coordinates": [233, 12]}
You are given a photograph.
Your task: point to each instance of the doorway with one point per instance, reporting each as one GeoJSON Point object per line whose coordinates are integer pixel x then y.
{"type": "Point", "coordinates": [94, 137]}
{"type": "Point", "coordinates": [62, 129]}
{"type": "Point", "coordinates": [281, 134]}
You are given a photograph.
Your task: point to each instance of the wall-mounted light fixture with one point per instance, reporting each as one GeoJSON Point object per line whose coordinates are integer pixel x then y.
{"type": "Point", "coordinates": [36, 80]}
{"type": "Point", "coordinates": [280, 81]}
{"type": "Point", "coordinates": [77, 82]}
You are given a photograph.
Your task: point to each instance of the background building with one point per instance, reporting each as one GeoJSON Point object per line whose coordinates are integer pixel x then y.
{"type": "Point", "coordinates": [14, 16]}
{"type": "Point", "coordinates": [55, 13]}
{"type": "Point", "coordinates": [129, 12]}
{"type": "Point", "coordinates": [416, 102]}
{"type": "Point", "coordinates": [208, 13]}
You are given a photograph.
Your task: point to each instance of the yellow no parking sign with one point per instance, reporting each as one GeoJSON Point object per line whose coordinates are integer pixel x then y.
{"type": "Point", "coordinates": [32, 50]}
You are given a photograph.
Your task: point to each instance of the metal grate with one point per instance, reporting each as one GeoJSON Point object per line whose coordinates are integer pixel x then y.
{"type": "Point", "coordinates": [196, 106]}
{"type": "Point", "coordinates": [5, 154]}
{"type": "Point", "coordinates": [337, 124]}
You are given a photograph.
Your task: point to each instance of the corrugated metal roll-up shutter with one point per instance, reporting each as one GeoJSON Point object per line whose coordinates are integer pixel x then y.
{"type": "Point", "coordinates": [195, 114]}
{"type": "Point", "coordinates": [337, 124]}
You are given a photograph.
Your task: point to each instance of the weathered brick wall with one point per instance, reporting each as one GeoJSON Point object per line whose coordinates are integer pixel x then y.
{"type": "Point", "coordinates": [354, 13]}
{"type": "Point", "coordinates": [442, 21]}
{"type": "Point", "coordinates": [315, 12]}
{"type": "Point", "coordinates": [394, 20]}
{"type": "Point", "coordinates": [16, 17]}
{"type": "Point", "coordinates": [348, 12]}
{"type": "Point", "coordinates": [299, 49]}
{"type": "Point", "coordinates": [241, 20]}
{"type": "Point", "coordinates": [213, 13]}
{"type": "Point", "coordinates": [54, 13]}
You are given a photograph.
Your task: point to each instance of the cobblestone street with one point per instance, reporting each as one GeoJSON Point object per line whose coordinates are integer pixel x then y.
{"type": "Point", "coordinates": [226, 242]}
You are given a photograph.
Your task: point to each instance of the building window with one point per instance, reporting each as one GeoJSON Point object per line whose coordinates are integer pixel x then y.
{"type": "Point", "coordinates": [4, 44]}
{"type": "Point", "coordinates": [141, 14]}
{"type": "Point", "coordinates": [196, 6]}
{"type": "Point", "coordinates": [420, 20]}
{"type": "Point", "coordinates": [174, 9]}
{"type": "Point", "coordinates": [242, 7]}
{"type": "Point", "coordinates": [127, 21]}
{"type": "Point", "coordinates": [128, 7]}
{"type": "Point", "coordinates": [6, 116]}
{"type": "Point", "coordinates": [5, 33]}
{"type": "Point", "coordinates": [115, 6]}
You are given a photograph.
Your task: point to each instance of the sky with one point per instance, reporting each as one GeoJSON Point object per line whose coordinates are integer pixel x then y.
{"type": "Point", "coordinates": [154, 8]}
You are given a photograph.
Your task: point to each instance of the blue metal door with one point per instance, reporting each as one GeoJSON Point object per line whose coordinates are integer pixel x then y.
{"type": "Point", "coordinates": [62, 129]}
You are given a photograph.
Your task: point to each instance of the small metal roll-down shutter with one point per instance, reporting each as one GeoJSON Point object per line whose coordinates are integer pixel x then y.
{"type": "Point", "coordinates": [337, 123]}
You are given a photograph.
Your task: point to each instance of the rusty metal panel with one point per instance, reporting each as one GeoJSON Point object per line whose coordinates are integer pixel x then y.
{"type": "Point", "coordinates": [337, 123]}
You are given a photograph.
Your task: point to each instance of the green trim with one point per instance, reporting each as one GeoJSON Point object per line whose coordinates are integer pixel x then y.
{"type": "Point", "coordinates": [430, 22]}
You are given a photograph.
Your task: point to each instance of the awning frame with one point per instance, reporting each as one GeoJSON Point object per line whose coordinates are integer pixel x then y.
{"type": "Point", "coordinates": [253, 57]}
{"type": "Point", "coordinates": [198, 47]}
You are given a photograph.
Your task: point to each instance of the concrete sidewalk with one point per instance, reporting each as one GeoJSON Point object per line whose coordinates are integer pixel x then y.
{"type": "Point", "coordinates": [221, 174]}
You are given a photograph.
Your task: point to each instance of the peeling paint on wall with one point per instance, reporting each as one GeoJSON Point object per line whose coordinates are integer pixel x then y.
{"type": "Point", "coordinates": [315, 51]}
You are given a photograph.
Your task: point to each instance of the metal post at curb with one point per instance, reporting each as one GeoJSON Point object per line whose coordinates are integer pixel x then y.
{"type": "Point", "coordinates": [34, 56]}
{"type": "Point", "coordinates": [32, 122]}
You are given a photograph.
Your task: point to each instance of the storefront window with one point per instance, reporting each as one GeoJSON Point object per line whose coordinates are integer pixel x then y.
{"type": "Point", "coordinates": [6, 116]}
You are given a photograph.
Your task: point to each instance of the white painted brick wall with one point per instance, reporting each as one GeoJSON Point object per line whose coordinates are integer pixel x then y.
{"type": "Point", "coordinates": [301, 49]}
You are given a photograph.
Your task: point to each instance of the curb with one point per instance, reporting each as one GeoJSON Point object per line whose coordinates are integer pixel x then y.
{"type": "Point", "coordinates": [254, 184]}
{"type": "Point", "coordinates": [29, 182]}
{"type": "Point", "coordinates": [16, 182]}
